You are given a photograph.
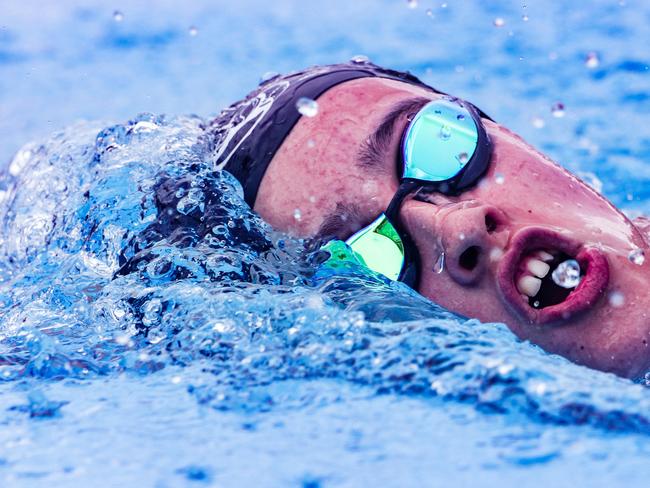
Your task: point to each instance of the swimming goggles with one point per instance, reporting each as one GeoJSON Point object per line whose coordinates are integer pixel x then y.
{"type": "Point", "coordinates": [444, 149]}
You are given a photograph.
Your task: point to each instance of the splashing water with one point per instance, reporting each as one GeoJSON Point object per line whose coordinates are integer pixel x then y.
{"type": "Point", "coordinates": [138, 258]}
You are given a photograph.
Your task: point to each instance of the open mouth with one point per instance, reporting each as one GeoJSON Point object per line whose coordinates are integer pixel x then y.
{"type": "Point", "coordinates": [546, 277]}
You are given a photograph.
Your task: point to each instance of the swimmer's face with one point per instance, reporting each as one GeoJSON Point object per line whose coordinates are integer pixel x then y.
{"type": "Point", "coordinates": [525, 216]}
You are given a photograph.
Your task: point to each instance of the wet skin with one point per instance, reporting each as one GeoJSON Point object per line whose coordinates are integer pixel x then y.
{"type": "Point", "coordinates": [525, 203]}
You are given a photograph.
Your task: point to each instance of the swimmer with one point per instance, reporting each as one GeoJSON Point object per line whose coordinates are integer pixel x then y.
{"type": "Point", "coordinates": [427, 189]}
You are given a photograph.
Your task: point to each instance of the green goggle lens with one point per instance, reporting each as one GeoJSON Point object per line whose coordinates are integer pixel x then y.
{"type": "Point", "coordinates": [439, 142]}
{"type": "Point", "coordinates": [380, 247]}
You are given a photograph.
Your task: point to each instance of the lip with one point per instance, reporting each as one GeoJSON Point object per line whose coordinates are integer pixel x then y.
{"type": "Point", "coordinates": [588, 292]}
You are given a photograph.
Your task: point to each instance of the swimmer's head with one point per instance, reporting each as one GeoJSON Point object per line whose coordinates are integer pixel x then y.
{"type": "Point", "coordinates": [502, 238]}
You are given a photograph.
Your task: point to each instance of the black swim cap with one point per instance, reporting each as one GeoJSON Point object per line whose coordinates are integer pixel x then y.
{"type": "Point", "coordinates": [251, 131]}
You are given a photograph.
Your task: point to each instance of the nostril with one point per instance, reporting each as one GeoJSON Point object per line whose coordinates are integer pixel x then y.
{"type": "Point", "coordinates": [469, 258]}
{"type": "Point", "coordinates": [490, 223]}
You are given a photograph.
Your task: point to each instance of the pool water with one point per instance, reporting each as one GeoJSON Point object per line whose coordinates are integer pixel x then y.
{"type": "Point", "coordinates": [217, 361]}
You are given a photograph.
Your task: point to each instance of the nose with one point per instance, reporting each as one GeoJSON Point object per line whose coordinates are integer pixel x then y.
{"type": "Point", "coordinates": [470, 235]}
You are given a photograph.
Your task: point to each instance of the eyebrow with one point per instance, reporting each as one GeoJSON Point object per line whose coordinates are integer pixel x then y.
{"type": "Point", "coordinates": [339, 222]}
{"type": "Point", "coordinates": [373, 151]}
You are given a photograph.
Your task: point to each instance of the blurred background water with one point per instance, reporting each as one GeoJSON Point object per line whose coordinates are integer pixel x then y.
{"type": "Point", "coordinates": [217, 362]}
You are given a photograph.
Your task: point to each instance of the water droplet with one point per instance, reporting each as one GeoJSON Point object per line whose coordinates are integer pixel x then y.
{"type": "Point", "coordinates": [499, 22]}
{"type": "Point", "coordinates": [443, 5]}
{"type": "Point", "coordinates": [297, 214]}
{"type": "Point", "coordinates": [307, 107]}
{"type": "Point", "coordinates": [268, 75]}
{"type": "Point", "coordinates": [536, 304]}
{"type": "Point", "coordinates": [118, 16]}
{"type": "Point", "coordinates": [463, 158]}
{"type": "Point", "coordinates": [360, 59]}
{"type": "Point", "coordinates": [412, 3]}
{"type": "Point", "coordinates": [499, 179]}
{"type": "Point", "coordinates": [591, 179]}
{"type": "Point", "coordinates": [592, 60]}
{"type": "Point", "coordinates": [538, 122]}
{"type": "Point", "coordinates": [525, 18]}
{"type": "Point", "coordinates": [637, 256]}
{"type": "Point", "coordinates": [616, 299]}
{"type": "Point", "coordinates": [445, 132]}
{"type": "Point", "coordinates": [567, 274]}
{"type": "Point", "coordinates": [193, 31]}
{"type": "Point", "coordinates": [557, 109]}
{"type": "Point", "coordinates": [647, 379]}
{"type": "Point", "coordinates": [439, 265]}
{"type": "Point", "coordinates": [496, 253]}
{"type": "Point", "coordinates": [429, 13]}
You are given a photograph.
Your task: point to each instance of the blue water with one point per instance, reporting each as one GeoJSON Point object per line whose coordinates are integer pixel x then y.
{"type": "Point", "coordinates": [223, 364]}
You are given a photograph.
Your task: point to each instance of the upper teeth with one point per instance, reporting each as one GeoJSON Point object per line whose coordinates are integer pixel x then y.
{"type": "Point", "coordinates": [529, 284]}
{"type": "Point", "coordinates": [538, 268]}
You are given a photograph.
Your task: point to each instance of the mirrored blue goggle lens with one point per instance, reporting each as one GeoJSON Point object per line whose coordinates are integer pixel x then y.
{"type": "Point", "coordinates": [440, 141]}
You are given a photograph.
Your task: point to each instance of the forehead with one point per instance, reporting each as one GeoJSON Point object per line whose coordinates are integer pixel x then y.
{"type": "Point", "coordinates": [315, 167]}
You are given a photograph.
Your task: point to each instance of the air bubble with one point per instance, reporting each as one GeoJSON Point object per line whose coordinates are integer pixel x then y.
{"type": "Point", "coordinates": [297, 214]}
{"type": "Point", "coordinates": [307, 107]}
{"type": "Point", "coordinates": [499, 179]}
{"type": "Point", "coordinates": [567, 274]}
{"type": "Point", "coordinates": [310, 143]}
{"type": "Point", "coordinates": [525, 18]}
{"type": "Point", "coordinates": [412, 4]}
{"type": "Point", "coordinates": [499, 22]}
{"type": "Point", "coordinates": [637, 256]}
{"type": "Point", "coordinates": [429, 13]}
{"type": "Point", "coordinates": [592, 60]}
{"type": "Point", "coordinates": [463, 158]}
{"type": "Point", "coordinates": [118, 16]}
{"type": "Point", "coordinates": [193, 31]}
{"type": "Point", "coordinates": [557, 109]}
